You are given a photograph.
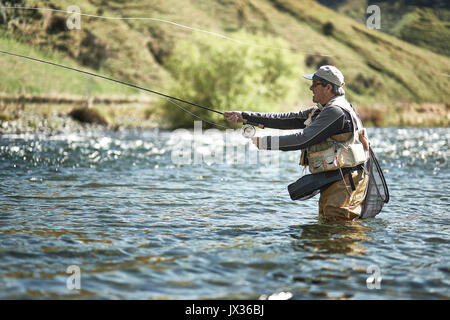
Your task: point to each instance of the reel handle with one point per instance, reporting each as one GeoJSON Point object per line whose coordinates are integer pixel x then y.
{"type": "Point", "coordinates": [253, 124]}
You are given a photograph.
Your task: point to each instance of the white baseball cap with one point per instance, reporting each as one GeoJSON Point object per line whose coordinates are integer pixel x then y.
{"type": "Point", "coordinates": [329, 73]}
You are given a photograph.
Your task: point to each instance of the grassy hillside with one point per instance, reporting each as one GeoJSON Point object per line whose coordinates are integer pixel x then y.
{"type": "Point", "coordinates": [378, 67]}
{"type": "Point", "coordinates": [423, 23]}
{"type": "Point", "coordinates": [380, 70]}
{"type": "Point", "coordinates": [26, 77]}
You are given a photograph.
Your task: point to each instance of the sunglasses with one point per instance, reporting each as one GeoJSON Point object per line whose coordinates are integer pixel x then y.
{"type": "Point", "coordinates": [315, 84]}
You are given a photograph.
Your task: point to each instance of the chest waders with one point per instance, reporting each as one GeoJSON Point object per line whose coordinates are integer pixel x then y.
{"type": "Point", "coordinates": [330, 160]}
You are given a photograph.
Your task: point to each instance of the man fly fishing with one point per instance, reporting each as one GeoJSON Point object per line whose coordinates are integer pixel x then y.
{"type": "Point", "coordinates": [333, 142]}
{"type": "Point", "coordinates": [334, 145]}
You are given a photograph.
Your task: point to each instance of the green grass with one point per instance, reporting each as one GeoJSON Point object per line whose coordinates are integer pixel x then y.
{"type": "Point", "coordinates": [28, 77]}
{"type": "Point", "coordinates": [401, 66]}
{"type": "Point", "coordinates": [138, 51]}
{"type": "Point", "coordinates": [423, 26]}
{"type": "Point", "coordinates": [220, 74]}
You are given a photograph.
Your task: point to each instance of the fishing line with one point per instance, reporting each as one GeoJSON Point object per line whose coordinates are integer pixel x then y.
{"type": "Point", "coordinates": [248, 128]}
{"type": "Point", "coordinates": [169, 98]}
{"type": "Point", "coordinates": [172, 23]}
{"type": "Point", "coordinates": [182, 26]}
{"type": "Point", "coordinates": [193, 114]}
{"type": "Point", "coordinates": [110, 79]}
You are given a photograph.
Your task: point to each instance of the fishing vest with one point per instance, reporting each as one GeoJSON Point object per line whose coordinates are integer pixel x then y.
{"type": "Point", "coordinates": [342, 150]}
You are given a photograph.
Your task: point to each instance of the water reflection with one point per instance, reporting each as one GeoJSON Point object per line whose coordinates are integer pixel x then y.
{"type": "Point", "coordinates": [322, 240]}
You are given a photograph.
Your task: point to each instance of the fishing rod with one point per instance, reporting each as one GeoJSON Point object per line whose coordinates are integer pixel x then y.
{"type": "Point", "coordinates": [248, 130]}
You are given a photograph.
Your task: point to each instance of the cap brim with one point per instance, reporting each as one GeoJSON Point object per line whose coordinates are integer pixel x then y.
{"type": "Point", "coordinates": [312, 76]}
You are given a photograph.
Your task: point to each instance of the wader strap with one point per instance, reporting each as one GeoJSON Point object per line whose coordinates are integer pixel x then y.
{"type": "Point", "coordinates": [352, 183]}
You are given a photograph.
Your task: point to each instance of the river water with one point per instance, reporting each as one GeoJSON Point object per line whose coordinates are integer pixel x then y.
{"type": "Point", "coordinates": [203, 215]}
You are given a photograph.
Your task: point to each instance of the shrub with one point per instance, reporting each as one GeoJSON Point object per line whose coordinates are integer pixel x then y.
{"type": "Point", "coordinates": [93, 51]}
{"type": "Point", "coordinates": [367, 85]}
{"type": "Point", "coordinates": [87, 115]}
{"type": "Point", "coordinates": [317, 61]}
{"type": "Point", "coordinates": [225, 75]}
{"type": "Point", "coordinates": [328, 29]}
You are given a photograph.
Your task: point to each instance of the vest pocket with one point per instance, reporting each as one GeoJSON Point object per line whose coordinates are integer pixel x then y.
{"type": "Point", "coordinates": [322, 161]}
{"type": "Point", "coordinates": [354, 155]}
{"type": "Point", "coordinates": [336, 157]}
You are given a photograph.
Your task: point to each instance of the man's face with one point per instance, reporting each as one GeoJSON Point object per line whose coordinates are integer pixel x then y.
{"type": "Point", "coordinates": [321, 94]}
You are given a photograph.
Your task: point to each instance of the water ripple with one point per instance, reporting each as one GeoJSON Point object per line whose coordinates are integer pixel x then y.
{"type": "Point", "coordinates": [141, 226]}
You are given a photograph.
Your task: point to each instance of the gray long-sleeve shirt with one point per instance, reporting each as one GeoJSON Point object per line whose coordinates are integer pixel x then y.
{"type": "Point", "coordinates": [333, 120]}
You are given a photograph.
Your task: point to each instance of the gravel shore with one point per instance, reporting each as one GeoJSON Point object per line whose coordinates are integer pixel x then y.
{"type": "Point", "coordinates": [55, 119]}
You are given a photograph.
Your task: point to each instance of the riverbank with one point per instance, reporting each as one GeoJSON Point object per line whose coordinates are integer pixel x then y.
{"type": "Point", "coordinates": [22, 114]}
{"type": "Point", "coordinates": [53, 114]}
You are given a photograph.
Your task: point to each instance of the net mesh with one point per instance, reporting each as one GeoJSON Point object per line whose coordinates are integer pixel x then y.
{"type": "Point", "coordinates": [377, 190]}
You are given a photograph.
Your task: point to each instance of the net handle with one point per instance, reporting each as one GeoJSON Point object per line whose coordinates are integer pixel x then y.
{"type": "Point", "coordinates": [383, 180]}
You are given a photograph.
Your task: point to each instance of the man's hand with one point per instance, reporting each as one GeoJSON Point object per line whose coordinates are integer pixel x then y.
{"type": "Point", "coordinates": [234, 116]}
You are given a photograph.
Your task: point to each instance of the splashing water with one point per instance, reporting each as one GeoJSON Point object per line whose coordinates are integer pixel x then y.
{"type": "Point", "coordinates": [140, 226]}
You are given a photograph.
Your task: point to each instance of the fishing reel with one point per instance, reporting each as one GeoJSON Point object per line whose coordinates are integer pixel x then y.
{"type": "Point", "coordinates": [248, 129]}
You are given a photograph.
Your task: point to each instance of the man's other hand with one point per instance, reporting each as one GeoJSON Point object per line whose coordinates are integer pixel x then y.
{"type": "Point", "coordinates": [233, 116]}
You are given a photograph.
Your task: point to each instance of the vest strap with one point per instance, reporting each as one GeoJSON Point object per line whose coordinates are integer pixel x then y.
{"type": "Point", "coordinates": [352, 183]}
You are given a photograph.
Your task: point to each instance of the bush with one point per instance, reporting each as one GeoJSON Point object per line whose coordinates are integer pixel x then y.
{"type": "Point", "coordinates": [328, 29]}
{"type": "Point", "coordinates": [225, 75]}
{"type": "Point", "coordinates": [87, 115]}
{"type": "Point", "coordinates": [363, 84]}
{"type": "Point", "coordinates": [318, 61]}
